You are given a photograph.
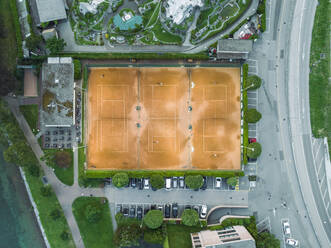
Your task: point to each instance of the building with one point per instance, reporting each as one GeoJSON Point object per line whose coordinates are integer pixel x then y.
{"type": "Point", "coordinates": [57, 93]}
{"type": "Point", "coordinates": [44, 11]}
{"type": "Point", "coordinates": [230, 237]}
{"type": "Point", "coordinates": [234, 49]}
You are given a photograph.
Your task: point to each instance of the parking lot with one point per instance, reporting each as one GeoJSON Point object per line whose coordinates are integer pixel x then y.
{"type": "Point", "coordinates": [288, 240]}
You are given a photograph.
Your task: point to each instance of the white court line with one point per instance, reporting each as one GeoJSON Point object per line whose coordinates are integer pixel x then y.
{"type": "Point", "coordinates": [320, 166]}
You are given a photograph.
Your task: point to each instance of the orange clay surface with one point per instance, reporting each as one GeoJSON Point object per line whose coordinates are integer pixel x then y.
{"type": "Point", "coordinates": [139, 118]}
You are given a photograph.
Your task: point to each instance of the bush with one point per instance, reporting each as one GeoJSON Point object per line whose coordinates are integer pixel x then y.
{"type": "Point", "coordinates": [232, 181]}
{"type": "Point", "coordinates": [119, 217]}
{"type": "Point", "coordinates": [64, 235]}
{"type": "Point", "coordinates": [127, 235]}
{"type": "Point", "coordinates": [55, 45]}
{"type": "Point", "coordinates": [157, 181]}
{"type": "Point", "coordinates": [252, 115]}
{"type": "Point", "coordinates": [253, 82]}
{"type": "Point", "coordinates": [190, 217]}
{"type": "Point", "coordinates": [120, 179]}
{"type": "Point", "coordinates": [77, 69]}
{"type": "Point", "coordinates": [254, 150]}
{"type": "Point", "coordinates": [46, 190]}
{"type": "Point", "coordinates": [194, 182]}
{"type": "Point", "coordinates": [153, 219]}
{"type": "Point", "coordinates": [34, 170]}
{"type": "Point", "coordinates": [93, 213]}
{"type": "Point", "coordinates": [63, 159]}
{"type": "Point", "coordinates": [55, 214]}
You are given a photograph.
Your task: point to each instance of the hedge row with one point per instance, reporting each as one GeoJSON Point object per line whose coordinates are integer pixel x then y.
{"type": "Point", "coordinates": [261, 11]}
{"type": "Point", "coordinates": [164, 173]}
{"type": "Point", "coordinates": [245, 106]}
{"type": "Point", "coordinates": [14, 12]}
{"type": "Point", "coordinates": [200, 56]}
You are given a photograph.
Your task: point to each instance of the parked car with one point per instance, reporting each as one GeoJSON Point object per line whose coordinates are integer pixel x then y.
{"type": "Point", "coordinates": [187, 207]}
{"type": "Point", "coordinates": [286, 228]}
{"type": "Point", "coordinates": [251, 159]}
{"type": "Point", "coordinates": [133, 182]}
{"type": "Point", "coordinates": [153, 207]}
{"type": "Point", "coordinates": [118, 208]}
{"type": "Point", "coordinates": [174, 182]}
{"type": "Point", "coordinates": [167, 211]}
{"type": "Point", "coordinates": [292, 242]}
{"type": "Point", "coordinates": [132, 212]}
{"type": "Point", "coordinates": [146, 209]}
{"type": "Point", "coordinates": [196, 208]}
{"type": "Point", "coordinates": [160, 207]}
{"type": "Point", "coordinates": [139, 212]}
{"type": "Point", "coordinates": [125, 212]}
{"type": "Point", "coordinates": [251, 140]}
{"type": "Point", "coordinates": [203, 212]}
{"type": "Point", "coordinates": [140, 183]}
{"type": "Point", "coordinates": [218, 182]}
{"type": "Point", "coordinates": [168, 183]}
{"type": "Point", "coordinates": [174, 210]}
{"type": "Point", "coordinates": [46, 145]}
{"type": "Point", "coordinates": [146, 183]}
{"type": "Point", "coordinates": [181, 182]}
{"type": "Point", "coordinates": [204, 185]}
{"type": "Point", "coordinates": [44, 180]}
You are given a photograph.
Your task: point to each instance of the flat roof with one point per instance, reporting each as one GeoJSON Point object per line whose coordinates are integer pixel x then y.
{"type": "Point", "coordinates": [58, 94]}
{"type": "Point", "coordinates": [230, 45]}
{"type": "Point", "coordinates": [51, 10]}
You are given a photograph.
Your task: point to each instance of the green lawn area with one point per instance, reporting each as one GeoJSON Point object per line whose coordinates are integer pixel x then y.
{"type": "Point", "coordinates": [30, 113]}
{"type": "Point", "coordinates": [95, 235]}
{"type": "Point", "coordinates": [53, 228]}
{"type": "Point", "coordinates": [179, 235]}
{"type": "Point", "coordinates": [154, 16]}
{"type": "Point", "coordinates": [229, 11]}
{"type": "Point", "coordinates": [165, 36]}
{"type": "Point", "coordinates": [319, 86]}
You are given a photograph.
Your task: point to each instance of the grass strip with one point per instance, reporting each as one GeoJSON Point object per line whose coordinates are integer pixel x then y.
{"type": "Point", "coordinates": [154, 16]}
{"type": "Point", "coordinates": [95, 235]}
{"type": "Point", "coordinates": [14, 13]}
{"type": "Point", "coordinates": [179, 235]}
{"type": "Point", "coordinates": [245, 105]}
{"type": "Point", "coordinates": [30, 113]}
{"type": "Point", "coordinates": [319, 84]}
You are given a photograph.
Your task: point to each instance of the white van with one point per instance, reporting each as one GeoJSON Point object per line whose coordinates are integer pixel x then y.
{"type": "Point", "coordinates": [168, 183]}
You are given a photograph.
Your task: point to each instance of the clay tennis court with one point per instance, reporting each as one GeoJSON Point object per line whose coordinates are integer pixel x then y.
{"type": "Point", "coordinates": [163, 118]}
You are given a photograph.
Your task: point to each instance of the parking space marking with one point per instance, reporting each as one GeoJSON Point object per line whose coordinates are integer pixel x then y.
{"type": "Point", "coordinates": [320, 166]}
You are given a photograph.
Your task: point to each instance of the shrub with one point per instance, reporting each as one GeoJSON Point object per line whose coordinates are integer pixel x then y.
{"type": "Point", "coordinates": [157, 181]}
{"type": "Point", "coordinates": [64, 235]}
{"type": "Point", "coordinates": [55, 214]}
{"type": "Point", "coordinates": [93, 213]}
{"type": "Point", "coordinates": [55, 45]}
{"type": "Point", "coordinates": [77, 69]}
{"type": "Point", "coordinates": [190, 217]}
{"type": "Point", "coordinates": [46, 190]}
{"type": "Point", "coordinates": [232, 181]}
{"type": "Point", "coordinates": [127, 235]}
{"type": "Point", "coordinates": [63, 159]}
{"type": "Point", "coordinates": [252, 115]}
{"type": "Point", "coordinates": [194, 182]}
{"type": "Point", "coordinates": [153, 219]}
{"type": "Point", "coordinates": [119, 217]}
{"type": "Point", "coordinates": [34, 170]}
{"type": "Point", "coordinates": [120, 179]}
{"type": "Point", "coordinates": [253, 82]}
{"type": "Point", "coordinates": [254, 150]}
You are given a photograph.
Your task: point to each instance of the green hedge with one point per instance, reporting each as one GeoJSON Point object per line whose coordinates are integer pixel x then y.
{"type": "Point", "coordinates": [245, 106]}
{"type": "Point", "coordinates": [261, 11]}
{"type": "Point", "coordinates": [77, 69]}
{"type": "Point", "coordinates": [13, 9]}
{"type": "Point", "coordinates": [164, 173]}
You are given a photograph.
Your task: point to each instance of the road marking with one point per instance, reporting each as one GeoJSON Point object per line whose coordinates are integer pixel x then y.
{"type": "Point", "coordinates": [318, 150]}
{"type": "Point", "coordinates": [327, 207]}
{"type": "Point", "coordinates": [320, 166]}
{"type": "Point", "coordinates": [322, 180]}
{"type": "Point", "coordinates": [324, 195]}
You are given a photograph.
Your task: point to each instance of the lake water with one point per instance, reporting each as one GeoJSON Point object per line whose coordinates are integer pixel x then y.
{"type": "Point", "coordinates": [18, 225]}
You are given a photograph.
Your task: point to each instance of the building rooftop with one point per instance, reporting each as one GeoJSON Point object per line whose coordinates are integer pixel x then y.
{"type": "Point", "coordinates": [57, 92]}
{"type": "Point", "coordinates": [239, 46]}
{"type": "Point", "coordinates": [51, 10]}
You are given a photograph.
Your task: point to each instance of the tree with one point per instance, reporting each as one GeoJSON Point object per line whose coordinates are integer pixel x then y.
{"type": "Point", "coordinates": [77, 69]}
{"type": "Point", "coordinates": [232, 181]}
{"type": "Point", "coordinates": [7, 81]}
{"type": "Point", "coordinates": [120, 179]}
{"type": "Point", "coordinates": [55, 45]}
{"type": "Point", "coordinates": [254, 150]}
{"type": "Point", "coordinates": [267, 240]}
{"type": "Point", "coordinates": [34, 170]}
{"type": "Point", "coordinates": [93, 213]}
{"type": "Point", "coordinates": [127, 235]}
{"type": "Point", "coordinates": [253, 82]}
{"type": "Point", "coordinates": [64, 235]}
{"type": "Point", "coordinates": [190, 217]}
{"type": "Point", "coordinates": [46, 190]}
{"type": "Point", "coordinates": [153, 219]}
{"type": "Point", "coordinates": [33, 41]}
{"type": "Point", "coordinates": [194, 182]}
{"type": "Point", "coordinates": [252, 115]}
{"type": "Point", "coordinates": [63, 159]}
{"type": "Point", "coordinates": [55, 214]}
{"type": "Point", "coordinates": [157, 181]}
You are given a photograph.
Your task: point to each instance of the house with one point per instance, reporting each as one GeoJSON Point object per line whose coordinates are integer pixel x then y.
{"type": "Point", "coordinates": [44, 11]}
{"type": "Point", "coordinates": [234, 49]}
{"type": "Point", "coordinates": [230, 237]}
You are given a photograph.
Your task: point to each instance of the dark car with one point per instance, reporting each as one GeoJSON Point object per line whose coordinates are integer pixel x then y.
{"type": "Point", "coordinates": [139, 213]}
{"type": "Point", "coordinates": [181, 182]}
{"type": "Point", "coordinates": [47, 139]}
{"type": "Point", "coordinates": [133, 182]}
{"type": "Point", "coordinates": [174, 210]}
{"type": "Point", "coordinates": [251, 159]}
{"type": "Point", "coordinates": [140, 183]}
{"type": "Point", "coordinates": [204, 185]}
{"type": "Point", "coordinates": [153, 207]}
{"type": "Point", "coordinates": [196, 208]}
{"type": "Point", "coordinates": [132, 212]}
{"type": "Point", "coordinates": [46, 145]}
{"type": "Point", "coordinates": [126, 212]}
{"type": "Point", "coordinates": [187, 207]}
{"type": "Point", "coordinates": [146, 209]}
{"type": "Point", "coordinates": [167, 211]}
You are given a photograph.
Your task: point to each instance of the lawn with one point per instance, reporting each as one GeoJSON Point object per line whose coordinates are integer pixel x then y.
{"type": "Point", "coordinates": [154, 16]}
{"type": "Point", "coordinates": [179, 235]}
{"type": "Point", "coordinates": [53, 228]}
{"type": "Point", "coordinates": [319, 86]}
{"type": "Point", "coordinates": [30, 113]}
{"type": "Point", "coordinates": [164, 36]}
{"type": "Point", "coordinates": [95, 235]}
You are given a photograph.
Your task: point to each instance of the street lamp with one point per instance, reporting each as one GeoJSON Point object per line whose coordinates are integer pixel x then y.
{"type": "Point", "coordinates": [252, 85]}
{"type": "Point", "coordinates": [76, 86]}
{"type": "Point", "coordinates": [250, 148]}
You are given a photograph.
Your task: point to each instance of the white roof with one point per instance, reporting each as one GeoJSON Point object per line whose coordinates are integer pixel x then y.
{"type": "Point", "coordinates": [51, 10]}
{"type": "Point", "coordinates": [178, 9]}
